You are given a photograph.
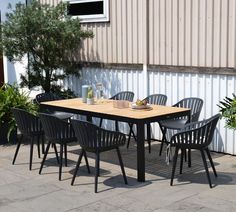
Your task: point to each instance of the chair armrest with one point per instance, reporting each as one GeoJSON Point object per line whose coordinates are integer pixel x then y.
{"type": "Point", "coordinates": [193, 125]}
{"type": "Point", "coordinates": [196, 134]}
{"type": "Point", "coordinates": [108, 138]}
{"type": "Point", "coordinates": [186, 138]}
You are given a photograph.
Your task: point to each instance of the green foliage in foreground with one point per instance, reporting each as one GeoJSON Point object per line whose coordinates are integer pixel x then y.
{"type": "Point", "coordinates": [12, 97]}
{"type": "Point", "coordinates": [228, 111]}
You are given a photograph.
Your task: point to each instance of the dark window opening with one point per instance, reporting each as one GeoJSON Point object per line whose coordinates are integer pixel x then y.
{"type": "Point", "coordinates": [88, 8]}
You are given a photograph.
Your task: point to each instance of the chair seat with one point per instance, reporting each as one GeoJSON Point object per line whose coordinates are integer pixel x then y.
{"type": "Point", "coordinates": [64, 140]}
{"type": "Point", "coordinates": [62, 115]}
{"type": "Point", "coordinates": [176, 124]}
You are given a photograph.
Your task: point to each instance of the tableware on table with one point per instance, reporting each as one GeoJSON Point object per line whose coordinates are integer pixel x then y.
{"type": "Point", "coordinates": [85, 93]}
{"type": "Point", "coordinates": [140, 107]}
{"type": "Point", "coordinates": [99, 91]}
{"type": "Point", "coordinates": [120, 104]}
{"type": "Point", "coordinates": [90, 96]}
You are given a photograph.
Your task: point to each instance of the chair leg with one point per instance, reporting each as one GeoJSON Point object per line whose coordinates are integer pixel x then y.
{"type": "Point", "coordinates": [129, 136]}
{"type": "Point", "coordinates": [134, 136]}
{"type": "Point", "coordinates": [56, 153]}
{"type": "Point", "coordinates": [121, 165]}
{"type": "Point", "coordinates": [44, 157]}
{"type": "Point", "coordinates": [189, 158]}
{"type": "Point", "coordinates": [117, 126]}
{"type": "Point", "coordinates": [61, 161]}
{"type": "Point", "coordinates": [43, 144]}
{"type": "Point", "coordinates": [211, 161]}
{"type": "Point", "coordinates": [65, 149]}
{"type": "Point", "coordinates": [206, 167]}
{"type": "Point", "coordinates": [31, 152]}
{"type": "Point", "coordinates": [100, 124]}
{"type": "Point", "coordinates": [38, 145]}
{"type": "Point", "coordinates": [181, 161]}
{"type": "Point", "coordinates": [185, 155]}
{"type": "Point", "coordinates": [149, 137]}
{"type": "Point", "coordinates": [163, 130]}
{"type": "Point", "coordinates": [17, 149]}
{"type": "Point", "coordinates": [86, 161]}
{"type": "Point", "coordinates": [77, 167]}
{"type": "Point", "coordinates": [97, 171]}
{"type": "Point", "coordinates": [174, 165]}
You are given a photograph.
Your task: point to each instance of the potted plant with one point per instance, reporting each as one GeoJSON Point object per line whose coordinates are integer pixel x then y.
{"type": "Point", "coordinates": [90, 97]}
{"type": "Point", "coordinates": [228, 111]}
{"type": "Point", "coordinates": [11, 96]}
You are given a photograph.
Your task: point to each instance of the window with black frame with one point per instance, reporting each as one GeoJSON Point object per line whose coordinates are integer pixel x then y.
{"type": "Point", "coordinates": [89, 10]}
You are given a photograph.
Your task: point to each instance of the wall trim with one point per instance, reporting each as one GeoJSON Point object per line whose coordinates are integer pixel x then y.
{"type": "Point", "coordinates": [193, 69]}
{"type": "Point", "coordinates": [162, 68]}
{"type": "Point", "coordinates": [118, 66]}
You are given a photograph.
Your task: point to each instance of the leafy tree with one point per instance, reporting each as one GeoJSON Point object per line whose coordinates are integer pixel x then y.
{"type": "Point", "coordinates": [49, 36]}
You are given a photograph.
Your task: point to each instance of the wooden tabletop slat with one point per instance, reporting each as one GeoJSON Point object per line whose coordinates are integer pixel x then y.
{"type": "Point", "coordinates": [106, 107]}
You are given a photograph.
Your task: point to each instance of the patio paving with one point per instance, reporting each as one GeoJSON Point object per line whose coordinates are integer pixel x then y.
{"type": "Point", "coordinates": [22, 190]}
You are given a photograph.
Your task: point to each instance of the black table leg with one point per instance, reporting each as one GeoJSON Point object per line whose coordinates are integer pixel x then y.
{"type": "Point", "coordinates": [140, 152]}
{"type": "Point", "coordinates": [89, 118]}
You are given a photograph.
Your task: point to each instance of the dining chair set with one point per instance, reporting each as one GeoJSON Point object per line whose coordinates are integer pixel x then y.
{"type": "Point", "coordinates": [60, 129]}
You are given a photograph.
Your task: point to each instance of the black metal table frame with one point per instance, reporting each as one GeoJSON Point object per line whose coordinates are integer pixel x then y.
{"type": "Point", "coordinates": [140, 123]}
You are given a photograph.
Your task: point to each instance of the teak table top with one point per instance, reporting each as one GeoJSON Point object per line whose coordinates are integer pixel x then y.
{"type": "Point", "coordinates": [106, 107]}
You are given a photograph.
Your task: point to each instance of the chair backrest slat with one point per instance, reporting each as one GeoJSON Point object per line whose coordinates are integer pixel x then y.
{"type": "Point", "coordinates": [124, 95]}
{"type": "Point", "coordinates": [157, 99]}
{"type": "Point", "coordinates": [27, 123]}
{"type": "Point", "coordinates": [197, 137]}
{"type": "Point", "coordinates": [91, 137]}
{"type": "Point", "coordinates": [44, 97]}
{"type": "Point", "coordinates": [55, 128]}
{"type": "Point", "coordinates": [195, 104]}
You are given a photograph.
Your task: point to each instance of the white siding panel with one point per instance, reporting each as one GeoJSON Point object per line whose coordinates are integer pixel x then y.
{"type": "Point", "coordinates": [211, 88]}
{"type": "Point", "coordinates": [200, 33]}
{"type": "Point", "coordinates": [181, 32]}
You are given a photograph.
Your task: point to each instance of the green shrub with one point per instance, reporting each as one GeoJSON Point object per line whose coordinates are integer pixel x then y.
{"type": "Point", "coordinates": [228, 111]}
{"type": "Point", "coordinates": [12, 97]}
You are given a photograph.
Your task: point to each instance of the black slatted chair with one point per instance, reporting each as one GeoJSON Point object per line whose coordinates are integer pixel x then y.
{"type": "Point", "coordinates": [44, 97]}
{"type": "Point", "coordinates": [195, 104]}
{"type": "Point", "coordinates": [96, 140]}
{"type": "Point", "coordinates": [60, 132]}
{"type": "Point", "coordinates": [196, 135]}
{"type": "Point", "coordinates": [29, 126]}
{"type": "Point", "coordinates": [156, 99]}
{"type": "Point", "coordinates": [124, 95]}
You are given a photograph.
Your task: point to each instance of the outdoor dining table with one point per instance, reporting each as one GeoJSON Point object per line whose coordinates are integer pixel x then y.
{"type": "Point", "coordinates": [105, 109]}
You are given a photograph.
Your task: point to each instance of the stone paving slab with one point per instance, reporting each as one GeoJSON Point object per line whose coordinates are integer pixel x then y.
{"type": "Point", "coordinates": [22, 190]}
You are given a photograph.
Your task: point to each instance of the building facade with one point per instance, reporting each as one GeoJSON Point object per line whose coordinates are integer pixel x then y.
{"type": "Point", "coordinates": [180, 48]}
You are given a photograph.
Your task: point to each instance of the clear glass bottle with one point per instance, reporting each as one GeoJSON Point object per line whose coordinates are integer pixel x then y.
{"type": "Point", "coordinates": [99, 91]}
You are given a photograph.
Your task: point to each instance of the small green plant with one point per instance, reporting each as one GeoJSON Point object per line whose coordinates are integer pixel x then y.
{"type": "Point", "coordinates": [228, 111]}
{"type": "Point", "coordinates": [90, 93]}
{"type": "Point", "coordinates": [12, 97]}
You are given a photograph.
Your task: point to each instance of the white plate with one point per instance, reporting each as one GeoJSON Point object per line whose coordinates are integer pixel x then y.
{"type": "Point", "coordinates": [134, 106]}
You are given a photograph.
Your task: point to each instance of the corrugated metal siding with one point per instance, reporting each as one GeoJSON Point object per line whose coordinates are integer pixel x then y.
{"type": "Point", "coordinates": [113, 82]}
{"type": "Point", "coordinates": [211, 88]}
{"type": "Point", "coordinates": [181, 32]}
{"type": "Point", "coordinates": [121, 39]}
{"type": "Point", "coordinates": [51, 2]}
{"type": "Point", "coordinates": [192, 32]}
